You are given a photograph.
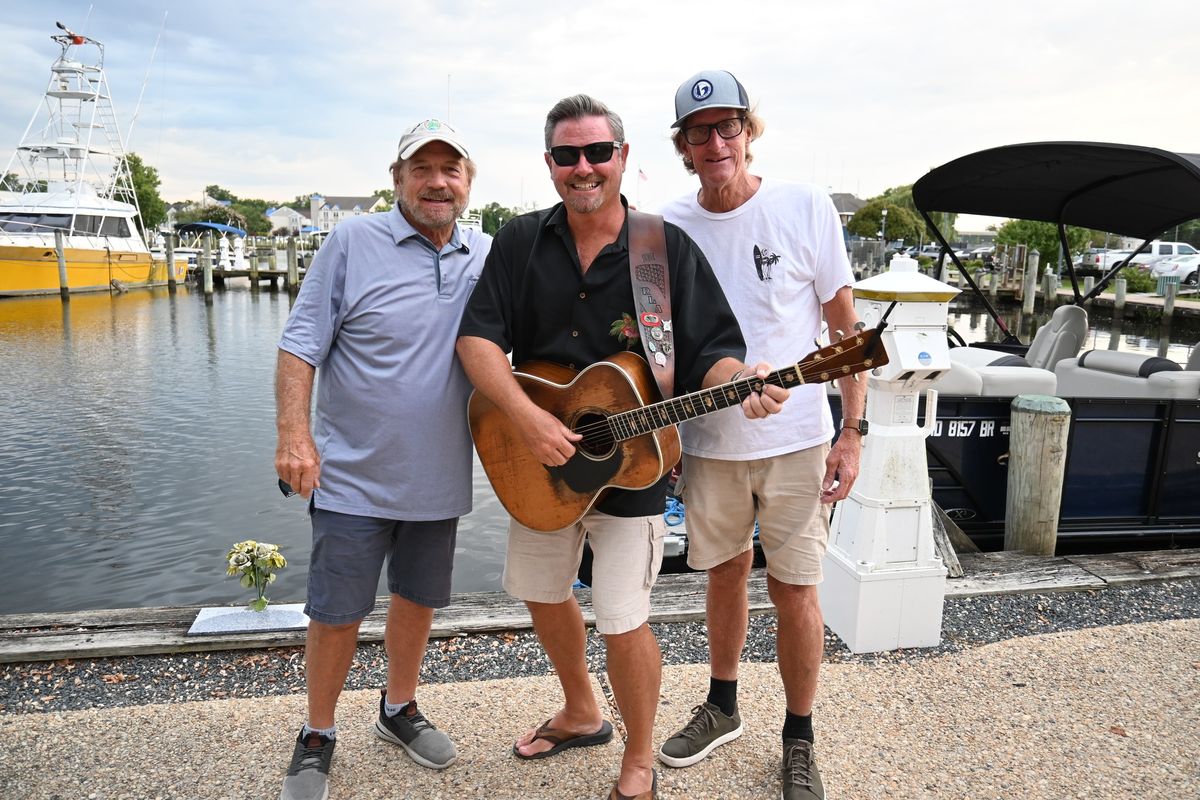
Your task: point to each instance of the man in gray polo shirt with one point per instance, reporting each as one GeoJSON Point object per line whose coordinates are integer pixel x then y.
{"type": "Point", "coordinates": [389, 472]}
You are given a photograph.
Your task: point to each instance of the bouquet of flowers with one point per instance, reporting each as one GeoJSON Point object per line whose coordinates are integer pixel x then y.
{"type": "Point", "coordinates": [256, 562]}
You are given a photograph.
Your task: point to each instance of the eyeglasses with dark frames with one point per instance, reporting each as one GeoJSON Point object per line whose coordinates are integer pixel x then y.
{"type": "Point", "coordinates": [567, 155]}
{"type": "Point", "coordinates": [286, 488]}
{"type": "Point", "coordinates": [726, 129]}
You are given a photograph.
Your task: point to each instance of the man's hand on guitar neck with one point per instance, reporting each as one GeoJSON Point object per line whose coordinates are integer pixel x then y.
{"type": "Point", "coordinates": [757, 405]}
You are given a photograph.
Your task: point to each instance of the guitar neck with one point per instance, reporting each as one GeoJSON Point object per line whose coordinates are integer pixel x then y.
{"type": "Point", "coordinates": [834, 361]}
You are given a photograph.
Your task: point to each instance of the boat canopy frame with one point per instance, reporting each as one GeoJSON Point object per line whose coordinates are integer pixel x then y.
{"type": "Point", "coordinates": [1134, 191]}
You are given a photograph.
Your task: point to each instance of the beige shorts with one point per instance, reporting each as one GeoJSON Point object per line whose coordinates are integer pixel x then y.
{"type": "Point", "coordinates": [723, 498]}
{"type": "Point", "coordinates": [541, 567]}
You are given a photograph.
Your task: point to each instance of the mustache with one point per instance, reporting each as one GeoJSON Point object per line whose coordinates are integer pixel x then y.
{"type": "Point", "coordinates": [444, 195]}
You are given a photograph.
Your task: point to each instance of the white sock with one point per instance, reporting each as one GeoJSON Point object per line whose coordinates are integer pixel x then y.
{"type": "Point", "coordinates": [392, 709]}
{"type": "Point", "coordinates": [328, 733]}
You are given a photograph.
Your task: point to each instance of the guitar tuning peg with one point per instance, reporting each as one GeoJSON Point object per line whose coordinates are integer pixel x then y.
{"type": "Point", "coordinates": [817, 343]}
{"type": "Point", "coordinates": [860, 325]}
{"type": "Point", "coordinates": [840, 334]}
{"type": "Point", "coordinates": [855, 376]}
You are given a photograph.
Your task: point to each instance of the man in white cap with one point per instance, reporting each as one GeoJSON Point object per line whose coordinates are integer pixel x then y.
{"type": "Point", "coordinates": [777, 250]}
{"type": "Point", "coordinates": [390, 471]}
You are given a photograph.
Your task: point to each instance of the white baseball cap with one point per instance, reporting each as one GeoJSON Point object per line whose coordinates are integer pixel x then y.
{"type": "Point", "coordinates": [431, 130]}
{"type": "Point", "coordinates": [712, 88]}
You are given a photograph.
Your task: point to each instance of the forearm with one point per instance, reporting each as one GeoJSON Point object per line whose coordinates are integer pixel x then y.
{"type": "Point", "coordinates": [723, 372]}
{"type": "Point", "coordinates": [293, 393]}
{"type": "Point", "coordinates": [488, 369]}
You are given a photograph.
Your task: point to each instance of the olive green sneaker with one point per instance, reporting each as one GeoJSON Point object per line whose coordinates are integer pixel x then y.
{"type": "Point", "coordinates": [801, 778]}
{"type": "Point", "coordinates": [708, 729]}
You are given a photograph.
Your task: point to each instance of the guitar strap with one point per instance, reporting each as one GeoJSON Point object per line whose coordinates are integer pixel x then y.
{"type": "Point", "coordinates": [652, 296]}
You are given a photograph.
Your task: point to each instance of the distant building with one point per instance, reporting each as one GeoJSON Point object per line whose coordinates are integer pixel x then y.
{"type": "Point", "coordinates": [326, 212]}
{"type": "Point", "coordinates": [286, 219]}
{"type": "Point", "coordinates": [847, 206]}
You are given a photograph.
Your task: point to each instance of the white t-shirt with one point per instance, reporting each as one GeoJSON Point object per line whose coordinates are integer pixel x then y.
{"type": "Point", "coordinates": [778, 256]}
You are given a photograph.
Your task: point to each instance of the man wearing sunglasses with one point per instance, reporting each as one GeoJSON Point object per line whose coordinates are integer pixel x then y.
{"type": "Point", "coordinates": [390, 471]}
{"type": "Point", "coordinates": [556, 287]}
{"type": "Point", "coordinates": [778, 252]}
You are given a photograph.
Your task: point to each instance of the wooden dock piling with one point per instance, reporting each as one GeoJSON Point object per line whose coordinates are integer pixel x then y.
{"type": "Point", "coordinates": [64, 290]}
{"type": "Point", "coordinates": [1036, 465]}
{"type": "Point", "coordinates": [293, 267]}
{"type": "Point", "coordinates": [206, 266]}
{"type": "Point", "coordinates": [169, 250]}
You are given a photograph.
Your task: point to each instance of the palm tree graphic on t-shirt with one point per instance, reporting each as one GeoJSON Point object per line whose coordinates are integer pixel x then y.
{"type": "Point", "coordinates": [763, 261]}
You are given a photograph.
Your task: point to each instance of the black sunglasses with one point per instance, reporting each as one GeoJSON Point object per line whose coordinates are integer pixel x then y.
{"type": "Point", "coordinates": [286, 488]}
{"type": "Point", "coordinates": [726, 129]}
{"type": "Point", "coordinates": [567, 155]}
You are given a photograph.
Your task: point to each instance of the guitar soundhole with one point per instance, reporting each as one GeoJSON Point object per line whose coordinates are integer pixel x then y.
{"type": "Point", "coordinates": [597, 439]}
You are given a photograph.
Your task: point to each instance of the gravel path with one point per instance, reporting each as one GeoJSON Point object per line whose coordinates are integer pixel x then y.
{"type": "Point", "coordinates": [140, 680]}
{"type": "Point", "coordinates": [1099, 712]}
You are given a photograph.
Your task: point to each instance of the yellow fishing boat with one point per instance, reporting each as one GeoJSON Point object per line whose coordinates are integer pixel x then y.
{"type": "Point", "coordinates": [68, 213]}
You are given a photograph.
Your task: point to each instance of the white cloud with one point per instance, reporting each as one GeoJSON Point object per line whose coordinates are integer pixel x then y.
{"type": "Point", "coordinates": [274, 101]}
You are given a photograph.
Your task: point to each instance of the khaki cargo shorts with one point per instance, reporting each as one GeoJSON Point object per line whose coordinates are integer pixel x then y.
{"type": "Point", "coordinates": [541, 567]}
{"type": "Point", "coordinates": [723, 499]}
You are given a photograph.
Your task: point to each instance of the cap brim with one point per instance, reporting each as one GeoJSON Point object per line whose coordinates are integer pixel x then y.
{"type": "Point", "coordinates": [679, 121]}
{"type": "Point", "coordinates": [409, 151]}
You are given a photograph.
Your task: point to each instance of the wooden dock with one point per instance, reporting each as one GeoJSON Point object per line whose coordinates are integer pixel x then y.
{"type": "Point", "coordinates": [676, 598]}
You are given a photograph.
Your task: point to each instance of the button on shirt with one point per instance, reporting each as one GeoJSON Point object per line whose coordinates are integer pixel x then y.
{"type": "Point", "coordinates": [534, 300]}
{"type": "Point", "coordinates": [378, 314]}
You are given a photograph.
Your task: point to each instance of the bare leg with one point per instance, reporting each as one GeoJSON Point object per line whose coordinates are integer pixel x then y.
{"type": "Point", "coordinates": [727, 614]}
{"type": "Point", "coordinates": [406, 637]}
{"type": "Point", "coordinates": [635, 670]}
{"type": "Point", "coordinates": [800, 642]}
{"type": "Point", "coordinates": [560, 629]}
{"type": "Point", "coordinates": [327, 656]}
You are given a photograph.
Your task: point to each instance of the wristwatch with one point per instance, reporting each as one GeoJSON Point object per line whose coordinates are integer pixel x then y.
{"type": "Point", "coordinates": [859, 425]}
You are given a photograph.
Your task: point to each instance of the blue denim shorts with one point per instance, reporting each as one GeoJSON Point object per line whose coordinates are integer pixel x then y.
{"type": "Point", "coordinates": [348, 552]}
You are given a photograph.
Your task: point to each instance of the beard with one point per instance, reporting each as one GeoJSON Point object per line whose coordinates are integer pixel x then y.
{"type": "Point", "coordinates": [433, 218]}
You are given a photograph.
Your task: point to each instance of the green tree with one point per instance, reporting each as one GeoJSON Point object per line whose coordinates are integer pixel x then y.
{"type": "Point", "coordinates": [217, 193]}
{"type": "Point", "coordinates": [254, 213]}
{"type": "Point", "coordinates": [388, 195]}
{"type": "Point", "coordinates": [901, 223]}
{"type": "Point", "coordinates": [1043, 237]}
{"type": "Point", "coordinates": [226, 214]}
{"type": "Point", "coordinates": [145, 186]}
{"type": "Point", "coordinates": [902, 196]}
{"type": "Point", "coordinates": [495, 215]}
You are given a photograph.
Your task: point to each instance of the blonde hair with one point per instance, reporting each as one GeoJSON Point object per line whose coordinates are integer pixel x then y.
{"type": "Point", "coordinates": [754, 129]}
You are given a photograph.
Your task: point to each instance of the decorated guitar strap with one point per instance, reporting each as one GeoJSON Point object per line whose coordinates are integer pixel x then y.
{"type": "Point", "coordinates": [652, 296]}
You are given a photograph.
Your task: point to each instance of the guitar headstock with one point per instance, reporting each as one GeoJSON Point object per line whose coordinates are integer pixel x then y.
{"type": "Point", "coordinates": [860, 351]}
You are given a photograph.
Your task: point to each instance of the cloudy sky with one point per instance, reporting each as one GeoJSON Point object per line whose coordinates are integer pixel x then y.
{"type": "Point", "coordinates": [273, 100]}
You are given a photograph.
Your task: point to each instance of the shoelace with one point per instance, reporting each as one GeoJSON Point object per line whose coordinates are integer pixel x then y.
{"type": "Point", "coordinates": [702, 721]}
{"type": "Point", "coordinates": [798, 765]}
{"type": "Point", "coordinates": [312, 755]}
{"type": "Point", "coordinates": [417, 719]}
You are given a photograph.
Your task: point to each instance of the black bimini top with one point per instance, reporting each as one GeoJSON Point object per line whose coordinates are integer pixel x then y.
{"type": "Point", "coordinates": [1119, 188]}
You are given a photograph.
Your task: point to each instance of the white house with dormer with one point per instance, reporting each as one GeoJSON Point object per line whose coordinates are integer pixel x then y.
{"type": "Point", "coordinates": [286, 219]}
{"type": "Point", "coordinates": [325, 212]}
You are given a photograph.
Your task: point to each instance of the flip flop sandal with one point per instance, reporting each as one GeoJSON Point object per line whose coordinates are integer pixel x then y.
{"type": "Point", "coordinates": [564, 740]}
{"type": "Point", "coordinates": [615, 794]}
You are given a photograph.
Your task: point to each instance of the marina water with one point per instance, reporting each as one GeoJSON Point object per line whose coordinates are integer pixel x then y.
{"type": "Point", "coordinates": [139, 444]}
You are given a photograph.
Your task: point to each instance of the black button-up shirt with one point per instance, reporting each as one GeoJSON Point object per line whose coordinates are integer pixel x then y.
{"type": "Point", "coordinates": [534, 300]}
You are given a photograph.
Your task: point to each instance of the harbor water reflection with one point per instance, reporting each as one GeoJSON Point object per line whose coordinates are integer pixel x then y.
{"type": "Point", "coordinates": [139, 446]}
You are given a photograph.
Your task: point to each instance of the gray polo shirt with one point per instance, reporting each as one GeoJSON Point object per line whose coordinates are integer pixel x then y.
{"type": "Point", "coordinates": [378, 316]}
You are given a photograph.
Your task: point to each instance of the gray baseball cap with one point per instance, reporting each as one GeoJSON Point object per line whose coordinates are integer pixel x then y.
{"type": "Point", "coordinates": [712, 88]}
{"type": "Point", "coordinates": [431, 130]}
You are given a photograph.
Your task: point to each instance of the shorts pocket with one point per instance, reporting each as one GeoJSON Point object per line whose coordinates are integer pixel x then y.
{"type": "Point", "coordinates": [654, 554]}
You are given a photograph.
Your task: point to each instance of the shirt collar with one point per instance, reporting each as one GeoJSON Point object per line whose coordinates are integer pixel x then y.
{"type": "Point", "coordinates": [557, 220]}
{"type": "Point", "coordinates": [402, 229]}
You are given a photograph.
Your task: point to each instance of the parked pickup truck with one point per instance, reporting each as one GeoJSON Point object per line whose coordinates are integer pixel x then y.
{"type": "Point", "coordinates": [1099, 262]}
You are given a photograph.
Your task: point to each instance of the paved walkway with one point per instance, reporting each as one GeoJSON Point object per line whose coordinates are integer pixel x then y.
{"type": "Point", "coordinates": [1104, 712]}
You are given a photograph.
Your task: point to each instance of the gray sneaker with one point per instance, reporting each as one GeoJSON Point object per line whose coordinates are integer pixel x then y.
{"type": "Point", "coordinates": [424, 743]}
{"type": "Point", "coordinates": [801, 778]}
{"type": "Point", "coordinates": [708, 730]}
{"type": "Point", "coordinates": [308, 776]}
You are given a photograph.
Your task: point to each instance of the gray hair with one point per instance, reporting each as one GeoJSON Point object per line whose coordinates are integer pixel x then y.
{"type": "Point", "coordinates": [580, 106]}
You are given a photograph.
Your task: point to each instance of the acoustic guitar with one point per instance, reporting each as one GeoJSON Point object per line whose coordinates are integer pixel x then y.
{"type": "Point", "coordinates": [629, 435]}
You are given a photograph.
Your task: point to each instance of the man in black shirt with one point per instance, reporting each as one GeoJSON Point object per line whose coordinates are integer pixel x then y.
{"type": "Point", "coordinates": [556, 287]}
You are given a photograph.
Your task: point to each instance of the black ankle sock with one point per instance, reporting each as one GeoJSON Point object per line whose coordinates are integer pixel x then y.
{"type": "Point", "coordinates": [798, 727]}
{"type": "Point", "coordinates": [723, 695]}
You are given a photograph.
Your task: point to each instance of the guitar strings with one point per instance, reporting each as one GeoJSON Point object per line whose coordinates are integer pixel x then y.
{"type": "Point", "coordinates": [602, 434]}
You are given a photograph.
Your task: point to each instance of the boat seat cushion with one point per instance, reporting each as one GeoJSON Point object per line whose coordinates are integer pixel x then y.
{"type": "Point", "coordinates": [1109, 373]}
{"type": "Point", "coordinates": [976, 356]}
{"type": "Point", "coordinates": [994, 381]}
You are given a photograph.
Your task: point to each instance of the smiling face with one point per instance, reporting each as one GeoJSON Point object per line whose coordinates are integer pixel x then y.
{"type": "Point", "coordinates": [432, 188]}
{"type": "Point", "coordinates": [718, 161]}
{"type": "Point", "coordinates": [586, 188]}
